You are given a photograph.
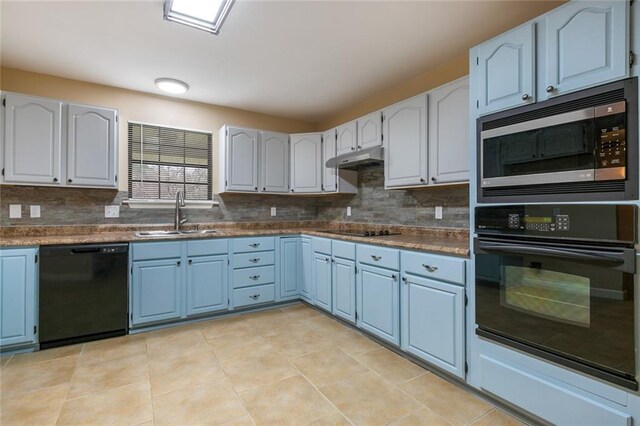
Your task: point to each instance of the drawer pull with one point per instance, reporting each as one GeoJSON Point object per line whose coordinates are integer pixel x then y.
{"type": "Point", "coordinates": [254, 296]}
{"type": "Point", "coordinates": [254, 277]}
{"type": "Point", "coordinates": [254, 245]}
{"type": "Point", "coordinates": [376, 258]}
{"type": "Point", "coordinates": [430, 268]}
{"type": "Point", "coordinates": [255, 260]}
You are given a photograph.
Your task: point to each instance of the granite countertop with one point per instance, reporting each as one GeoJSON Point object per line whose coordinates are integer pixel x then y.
{"type": "Point", "coordinates": [435, 240]}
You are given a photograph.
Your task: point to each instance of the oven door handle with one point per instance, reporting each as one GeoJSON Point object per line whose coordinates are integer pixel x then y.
{"type": "Point", "coordinates": [624, 259]}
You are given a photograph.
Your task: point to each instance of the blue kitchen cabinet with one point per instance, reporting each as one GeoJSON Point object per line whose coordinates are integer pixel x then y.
{"type": "Point", "coordinates": [506, 70]}
{"type": "Point", "coordinates": [433, 322]}
{"type": "Point", "coordinates": [378, 295]}
{"type": "Point", "coordinates": [207, 284]}
{"type": "Point", "coordinates": [344, 288]}
{"type": "Point", "coordinates": [156, 291]}
{"type": "Point", "coordinates": [18, 271]}
{"type": "Point", "coordinates": [306, 282]}
{"type": "Point", "coordinates": [587, 43]}
{"type": "Point", "coordinates": [290, 267]}
{"type": "Point", "coordinates": [322, 280]}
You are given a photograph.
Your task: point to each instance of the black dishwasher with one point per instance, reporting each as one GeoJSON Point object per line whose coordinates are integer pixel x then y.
{"type": "Point", "coordinates": [83, 293]}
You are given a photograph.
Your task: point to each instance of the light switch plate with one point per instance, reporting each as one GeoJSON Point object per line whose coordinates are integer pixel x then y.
{"type": "Point", "coordinates": [348, 210]}
{"type": "Point", "coordinates": [15, 211]}
{"type": "Point", "coordinates": [34, 211]}
{"type": "Point", "coordinates": [273, 211]}
{"type": "Point", "coordinates": [111, 211]}
{"type": "Point", "coordinates": [438, 212]}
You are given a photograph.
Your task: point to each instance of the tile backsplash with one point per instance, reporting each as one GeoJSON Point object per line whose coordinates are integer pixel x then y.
{"type": "Point", "coordinates": [372, 204]}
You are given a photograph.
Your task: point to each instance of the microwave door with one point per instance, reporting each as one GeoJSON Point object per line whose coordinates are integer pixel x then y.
{"type": "Point", "coordinates": [551, 149]}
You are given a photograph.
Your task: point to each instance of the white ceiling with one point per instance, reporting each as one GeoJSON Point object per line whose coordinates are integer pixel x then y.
{"type": "Point", "coordinates": [299, 59]}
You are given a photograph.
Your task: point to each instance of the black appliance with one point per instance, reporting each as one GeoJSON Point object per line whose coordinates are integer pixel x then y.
{"type": "Point", "coordinates": [83, 293]}
{"type": "Point", "coordinates": [365, 233]}
{"type": "Point", "coordinates": [557, 281]}
{"type": "Point", "coordinates": [578, 147]}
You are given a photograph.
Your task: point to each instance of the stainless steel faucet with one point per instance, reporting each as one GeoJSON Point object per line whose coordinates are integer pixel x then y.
{"type": "Point", "coordinates": [179, 204]}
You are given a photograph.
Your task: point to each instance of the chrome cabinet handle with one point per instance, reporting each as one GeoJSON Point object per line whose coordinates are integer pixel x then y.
{"type": "Point", "coordinates": [254, 296]}
{"type": "Point", "coordinates": [353, 149]}
{"type": "Point", "coordinates": [422, 180]}
{"type": "Point", "coordinates": [394, 277]}
{"type": "Point", "coordinates": [405, 280]}
{"type": "Point", "coordinates": [430, 268]}
{"type": "Point", "coordinates": [254, 245]}
{"type": "Point", "coordinates": [550, 89]}
{"type": "Point", "coordinates": [55, 179]}
{"type": "Point", "coordinates": [69, 180]}
{"type": "Point", "coordinates": [376, 258]}
{"type": "Point", "coordinates": [525, 97]}
{"type": "Point", "coordinates": [433, 179]}
{"type": "Point", "coordinates": [254, 277]}
{"type": "Point", "coordinates": [178, 263]}
{"type": "Point", "coordinates": [190, 262]}
{"type": "Point", "coordinates": [326, 259]}
{"type": "Point", "coordinates": [255, 260]}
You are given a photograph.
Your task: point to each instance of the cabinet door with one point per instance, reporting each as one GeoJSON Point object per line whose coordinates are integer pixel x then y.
{"type": "Point", "coordinates": [242, 160]}
{"type": "Point", "coordinates": [344, 289]}
{"type": "Point", "coordinates": [32, 140]}
{"type": "Point", "coordinates": [379, 302]}
{"type": "Point", "coordinates": [207, 284]}
{"type": "Point", "coordinates": [433, 322]}
{"type": "Point", "coordinates": [290, 266]}
{"type": "Point", "coordinates": [92, 146]}
{"type": "Point", "coordinates": [17, 296]}
{"type": "Point", "coordinates": [329, 174]}
{"type": "Point", "coordinates": [306, 162]}
{"type": "Point", "coordinates": [587, 43]}
{"type": "Point", "coordinates": [347, 139]}
{"type": "Point", "coordinates": [322, 280]}
{"type": "Point", "coordinates": [305, 275]}
{"type": "Point", "coordinates": [449, 132]}
{"type": "Point", "coordinates": [274, 162]}
{"type": "Point", "coordinates": [156, 288]}
{"type": "Point", "coordinates": [506, 74]}
{"type": "Point", "coordinates": [370, 130]}
{"type": "Point", "coordinates": [405, 130]}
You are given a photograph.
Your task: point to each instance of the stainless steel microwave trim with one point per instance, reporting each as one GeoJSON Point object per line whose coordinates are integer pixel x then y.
{"type": "Point", "coordinates": [610, 109]}
{"type": "Point", "coordinates": [355, 159]}
{"type": "Point", "coordinates": [540, 123]}
{"type": "Point", "coordinates": [540, 178]}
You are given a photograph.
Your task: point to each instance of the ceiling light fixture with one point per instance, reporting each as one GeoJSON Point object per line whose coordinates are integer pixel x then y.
{"type": "Point", "coordinates": [207, 15]}
{"type": "Point", "coordinates": [171, 85]}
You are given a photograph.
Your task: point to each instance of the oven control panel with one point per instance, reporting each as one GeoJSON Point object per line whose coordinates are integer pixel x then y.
{"type": "Point", "coordinates": [538, 223]}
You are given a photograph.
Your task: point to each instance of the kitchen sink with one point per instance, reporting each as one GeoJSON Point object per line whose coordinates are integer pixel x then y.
{"type": "Point", "coordinates": [198, 231]}
{"type": "Point", "coordinates": [173, 232]}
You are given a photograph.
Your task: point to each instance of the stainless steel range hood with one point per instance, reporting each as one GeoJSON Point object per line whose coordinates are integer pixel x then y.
{"type": "Point", "coordinates": [356, 159]}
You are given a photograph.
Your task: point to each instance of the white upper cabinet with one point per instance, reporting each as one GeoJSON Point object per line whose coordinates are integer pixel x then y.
{"type": "Point", "coordinates": [347, 138]}
{"type": "Point", "coordinates": [449, 132]}
{"type": "Point", "coordinates": [306, 162]}
{"type": "Point", "coordinates": [92, 146]}
{"type": "Point", "coordinates": [405, 130]}
{"type": "Point", "coordinates": [370, 130]}
{"type": "Point", "coordinates": [587, 43]}
{"type": "Point", "coordinates": [329, 174]}
{"type": "Point", "coordinates": [274, 162]}
{"type": "Point", "coordinates": [32, 140]}
{"type": "Point", "coordinates": [506, 67]}
{"type": "Point", "coordinates": [241, 158]}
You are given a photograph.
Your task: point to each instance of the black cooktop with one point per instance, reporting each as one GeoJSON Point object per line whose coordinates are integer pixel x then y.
{"type": "Point", "coordinates": [365, 233]}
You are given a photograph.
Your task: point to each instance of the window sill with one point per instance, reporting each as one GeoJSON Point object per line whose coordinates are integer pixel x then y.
{"type": "Point", "coordinates": [168, 204]}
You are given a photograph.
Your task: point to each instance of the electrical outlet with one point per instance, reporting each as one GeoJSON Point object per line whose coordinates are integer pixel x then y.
{"type": "Point", "coordinates": [273, 211]}
{"type": "Point", "coordinates": [111, 211]}
{"type": "Point", "coordinates": [349, 211]}
{"type": "Point", "coordinates": [34, 211]}
{"type": "Point", "coordinates": [438, 212]}
{"type": "Point", "coordinates": [15, 211]}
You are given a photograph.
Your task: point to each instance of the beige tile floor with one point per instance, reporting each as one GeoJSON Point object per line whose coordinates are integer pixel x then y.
{"type": "Point", "coordinates": [292, 365]}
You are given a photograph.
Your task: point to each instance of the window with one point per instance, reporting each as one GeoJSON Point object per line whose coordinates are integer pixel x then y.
{"type": "Point", "coordinates": [163, 160]}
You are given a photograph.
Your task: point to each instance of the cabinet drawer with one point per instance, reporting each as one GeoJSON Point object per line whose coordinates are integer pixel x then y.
{"type": "Point", "coordinates": [247, 245]}
{"type": "Point", "coordinates": [379, 256]}
{"type": "Point", "coordinates": [433, 266]}
{"type": "Point", "coordinates": [254, 295]}
{"type": "Point", "coordinates": [159, 250]}
{"type": "Point", "coordinates": [344, 249]}
{"type": "Point", "coordinates": [207, 247]}
{"type": "Point", "coordinates": [321, 245]}
{"type": "Point", "coordinates": [253, 276]}
{"type": "Point", "coordinates": [249, 260]}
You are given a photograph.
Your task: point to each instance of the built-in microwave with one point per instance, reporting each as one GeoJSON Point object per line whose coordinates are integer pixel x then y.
{"type": "Point", "coordinates": [577, 147]}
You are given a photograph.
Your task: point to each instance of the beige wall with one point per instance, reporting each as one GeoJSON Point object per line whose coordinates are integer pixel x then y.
{"type": "Point", "coordinates": [138, 106]}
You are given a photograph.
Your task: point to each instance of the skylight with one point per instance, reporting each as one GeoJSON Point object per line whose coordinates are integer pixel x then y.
{"type": "Point", "coordinates": [207, 15]}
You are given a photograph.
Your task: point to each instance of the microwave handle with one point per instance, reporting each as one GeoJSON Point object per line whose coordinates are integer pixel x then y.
{"type": "Point", "coordinates": [621, 258]}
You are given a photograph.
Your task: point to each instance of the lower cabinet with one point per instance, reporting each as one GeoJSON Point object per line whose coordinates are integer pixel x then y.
{"type": "Point", "coordinates": [322, 280]}
{"type": "Point", "coordinates": [207, 284]}
{"type": "Point", "coordinates": [378, 302]}
{"type": "Point", "coordinates": [18, 283]}
{"type": "Point", "coordinates": [290, 267]}
{"type": "Point", "coordinates": [433, 322]}
{"type": "Point", "coordinates": [156, 291]}
{"type": "Point", "coordinates": [305, 283]}
{"type": "Point", "coordinates": [344, 289]}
